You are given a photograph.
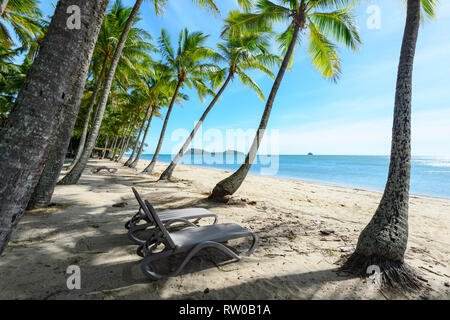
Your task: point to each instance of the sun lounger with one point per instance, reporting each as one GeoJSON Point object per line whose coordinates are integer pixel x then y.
{"type": "Point", "coordinates": [141, 221]}
{"type": "Point", "coordinates": [190, 241]}
{"type": "Point", "coordinates": [98, 169]}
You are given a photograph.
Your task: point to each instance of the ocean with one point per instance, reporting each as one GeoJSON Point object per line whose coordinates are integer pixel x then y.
{"type": "Point", "coordinates": [429, 175]}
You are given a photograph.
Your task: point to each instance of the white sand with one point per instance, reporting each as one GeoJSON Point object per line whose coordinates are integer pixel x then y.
{"type": "Point", "coordinates": [293, 261]}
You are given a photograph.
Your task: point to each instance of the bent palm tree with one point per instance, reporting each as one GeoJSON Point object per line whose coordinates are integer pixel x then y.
{"type": "Point", "coordinates": [187, 67]}
{"type": "Point", "coordinates": [383, 241]}
{"type": "Point", "coordinates": [241, 52]}
{"type": "Point", "coordinates": [49, 90]}
{"type": "Point", "coordinates": [157, 92]}
{"type": "Point", "coordinates": [74, 175]}
{"type": "Point", "coordinates": [321, 18]}
{"type": "Point", "coordinates": [136, 47]}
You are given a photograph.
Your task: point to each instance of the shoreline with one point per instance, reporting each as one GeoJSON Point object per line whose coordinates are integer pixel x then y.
{"type": "Point", "coordinates": [330, 184]}
{"type": "Point", "coordinates": [294, 259]}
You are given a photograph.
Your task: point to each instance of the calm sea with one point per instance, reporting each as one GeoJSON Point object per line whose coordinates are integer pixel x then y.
{"type": "Point", "coordinates": [429, 176]}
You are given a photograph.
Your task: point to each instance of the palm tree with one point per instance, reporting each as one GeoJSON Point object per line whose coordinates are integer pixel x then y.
{"type": "Point", "coordinates": [133, 163]}
{"type": "Point", "coordinates": [383, 241]}
{"type": "Point", "coordinates": [138, 138]}
{"type": "Point", "coordinates": [136, 48]}
{"type": "Point", "coordinates": [157, 92]}
{"type": "Point", "coordinates": [135, 99]}
{"type": "Point", "coordinates": [3, 5]}
{"type": "Point", "coordinates": [24, 17]}
{"type": "Point", "coordinates": [74, 175]}
{"type": "Point", "coordinates": [241, 52]}
{"type": "Point", "coordinates": [188, 68]}
{"type": "Point", "coordinates": [126, 141]}
{"type": "Point", "coordinates": [147, 94]}
{"type": "Point", "coordinates": [320, 19]}
{"type": "Point", "coordinates": [12, 77]}
{"type": "Point", "coordinates": [49, 90]}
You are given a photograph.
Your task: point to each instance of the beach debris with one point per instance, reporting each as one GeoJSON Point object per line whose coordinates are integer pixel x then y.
{"type": "Point", "coordinates": [236, 202]}
{"type": "Point", "coordinates": [422, 278]}
{"type": "Point", "coordinates": [447, 284]}
{"type": "Point", "coordinates": [438, 274]}
{"type": "Point", "coordinates": [347, 249]}
{"type": "Point", "coordinates": [326, 231]}
{"type": "Point", "coordinates": [241, 201]}
{"type": "Point", "coordinates": [120, 205]}
{"type": "Point", "coordinates": [206, 291]}
{"type": "Point", "coordinates": [273, 255]}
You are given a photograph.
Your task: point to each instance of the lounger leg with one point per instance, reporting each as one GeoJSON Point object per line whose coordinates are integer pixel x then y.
{"type": "Point", "coordinates": [134, 229]}
{"type": "Point", "coordinates": [254, 245]}
{"type": "Point", "coordinates": [138, 216]}
{"type": "Point", "coordinates": [146, 263]}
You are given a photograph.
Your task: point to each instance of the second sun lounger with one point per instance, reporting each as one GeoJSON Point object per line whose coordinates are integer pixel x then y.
{"type": "Point", "coordinates": [142, 221]}
{"type": "Point", "coordinates": [189, 240]}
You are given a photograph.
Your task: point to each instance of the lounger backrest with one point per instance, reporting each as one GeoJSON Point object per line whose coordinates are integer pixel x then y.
{"type": "Point", "coordinates": [159, 224]}
{"type": "Point", "coordinates": [150, 212]}
{"type": "Point", "coordinates": [141, 203]}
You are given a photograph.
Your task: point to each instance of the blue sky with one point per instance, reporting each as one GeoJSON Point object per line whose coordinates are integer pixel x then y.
{"type": "Point", "coordinates": [311, 114]}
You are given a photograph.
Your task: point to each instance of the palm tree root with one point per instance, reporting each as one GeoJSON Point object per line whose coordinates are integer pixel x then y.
{"type": "Point", "coordinates": [166, 175]}
{"type": "Point", "coordinates": [219, 194]}
{"type": "Point", "coordinates": [394, 275]}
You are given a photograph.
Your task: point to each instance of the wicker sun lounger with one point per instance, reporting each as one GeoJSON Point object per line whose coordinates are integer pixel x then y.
{"type": "Point", "coordinates": [189, 240]}
{"type": "Point", "coordinates": [141, 221]}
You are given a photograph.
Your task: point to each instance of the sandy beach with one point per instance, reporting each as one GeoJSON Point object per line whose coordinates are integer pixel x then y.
{"type": "Point", "coordinates": [293, 261]}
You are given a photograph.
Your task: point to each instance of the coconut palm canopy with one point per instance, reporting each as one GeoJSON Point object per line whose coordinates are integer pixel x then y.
{"type": "Point", "coordinates": [25, 20]}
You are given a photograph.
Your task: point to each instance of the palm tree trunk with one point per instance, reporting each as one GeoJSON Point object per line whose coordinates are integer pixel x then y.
{"type": "Point", "coordinates": [113, 145]}
{"type": "Point", "coordinates": [141, 148]}
{"type": "Point", "coordinates": [122, 141]}
{"type": "Point", "coordinates": [150, 167]}
{"type": "Point", "coordinates": [167, 174]}
{"type": "Point", "coordinates": [125, 146]}
{"type": "Point", "coordinates": [3, 5]}
{"type": "Point", "coordinates": [117, 148]}
{"type": "Point", "coordinates": [383, 241]}
{"type": "Point", "coordinates": [106, 147]}
{"type": "Point", "coordinates": [56, 79]}
{"type": "Point", "coordinates": [231, 184]}
{"type": "Point", "coordinates": [130, 159]}
{"type": "Point", "coordinates": [74, 175]}
{"type": "Point", "coordinates": [88, 116]}
{"type": "Point", "coordinates": [43, 191]}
